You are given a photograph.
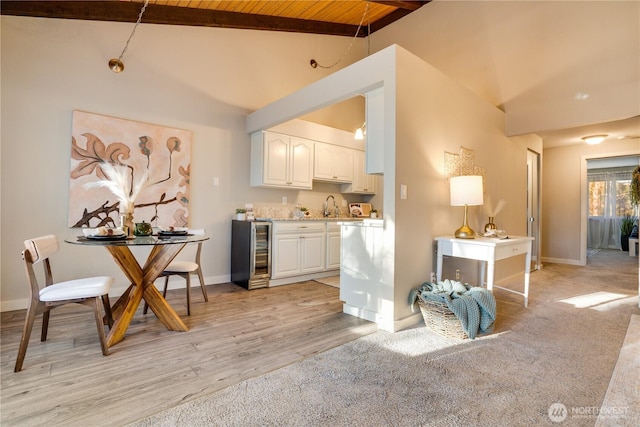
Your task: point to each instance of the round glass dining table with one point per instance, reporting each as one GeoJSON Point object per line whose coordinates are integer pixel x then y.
{"type": "Point", "coordinates": [164, 250]}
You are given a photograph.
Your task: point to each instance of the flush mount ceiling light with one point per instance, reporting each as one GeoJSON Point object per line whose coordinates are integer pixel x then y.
{"type": "Point", "coordinates": [116, 65]}
{"type": "Point", "coordinates": [594, 139]}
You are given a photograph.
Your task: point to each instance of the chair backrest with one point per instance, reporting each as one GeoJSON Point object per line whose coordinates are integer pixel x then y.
{"type": "Point", "coordinates": [37, 250]}
{"type": "Point", "coordinates": [198, 232]}
{"type": "Point", "coordinates": [41, 248]}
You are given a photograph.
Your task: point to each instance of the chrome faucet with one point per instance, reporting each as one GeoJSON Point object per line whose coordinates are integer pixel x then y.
{"type": "Point", "coordinates": [327, 212]}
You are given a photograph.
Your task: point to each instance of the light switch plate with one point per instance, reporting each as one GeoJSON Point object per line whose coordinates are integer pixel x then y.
{"type": "Point", "coordinates": [403, 191]}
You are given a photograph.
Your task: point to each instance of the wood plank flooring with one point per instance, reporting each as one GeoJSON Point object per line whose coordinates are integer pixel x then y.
{"type": "Point", "coordinates": [237, 335]}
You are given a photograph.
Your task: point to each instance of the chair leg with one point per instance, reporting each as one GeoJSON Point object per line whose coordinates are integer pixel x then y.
{"type": "Point", "coordinates": [166, 283]}
{"type": "Point", "coordinates": [187, 277]}
{"type": "Point", "coordinates": [107, 310]}
{"type": "Point", "coordinates": [45, 325]}
{"type": "Point", "coordinates": [100, 324]}
{"type": "Point", "coordinates": [26, 334]}
{"type": "Point", "coordinates": [202, 285]}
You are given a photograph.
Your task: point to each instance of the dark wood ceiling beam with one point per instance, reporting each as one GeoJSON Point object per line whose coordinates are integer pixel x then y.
{"type": "Point", "coordinates": [386, 20]}
{"type": "Point", "coordinates": [117, 11]}
{"type": "Point", "coordinates": [406, 5]}
{"type": "Point", "coordinates": [170, 15]}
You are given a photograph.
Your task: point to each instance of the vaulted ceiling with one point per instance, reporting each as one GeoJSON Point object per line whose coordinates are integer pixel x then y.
{"type": "Point", "coordinates": [337, 17]}
{"type": "Point", "coordinates": [511, 69]}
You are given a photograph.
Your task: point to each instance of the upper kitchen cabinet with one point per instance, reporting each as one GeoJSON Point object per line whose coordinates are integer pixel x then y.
{"type": "Point", "coordinates": [279, 160]}
{"type": "Point", "coordinates": [363, 183]}
{"type": "Point", "coordinates": [333, 163]}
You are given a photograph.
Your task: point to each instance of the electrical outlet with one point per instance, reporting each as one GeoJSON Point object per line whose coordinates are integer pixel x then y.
{"type": "Point", "coordinates": [433, 277]}
{"type": "Point", "coordinates": [284, 200]}
{"type": "Point", "coordinates": [457, 274]}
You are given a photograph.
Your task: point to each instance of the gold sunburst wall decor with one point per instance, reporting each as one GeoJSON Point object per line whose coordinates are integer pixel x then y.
{"type": "Point", "coordinates": [461, 164]}
{"type": "Point", "coordinates": [162, 153]}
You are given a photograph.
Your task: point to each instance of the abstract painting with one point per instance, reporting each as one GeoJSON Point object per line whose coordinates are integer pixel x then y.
{"type": "Point", "coordinates": [159, 152]}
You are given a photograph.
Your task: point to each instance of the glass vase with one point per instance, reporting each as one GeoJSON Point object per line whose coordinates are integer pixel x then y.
{"type": "Point", "coordinates": [126, 222]}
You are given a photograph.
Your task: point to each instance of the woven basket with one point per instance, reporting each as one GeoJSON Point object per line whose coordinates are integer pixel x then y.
{"type": "Point", "coordinates": [439, 318]}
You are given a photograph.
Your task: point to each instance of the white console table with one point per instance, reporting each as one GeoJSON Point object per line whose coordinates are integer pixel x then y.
{"type": "Point", "coordinates": [489, 250]}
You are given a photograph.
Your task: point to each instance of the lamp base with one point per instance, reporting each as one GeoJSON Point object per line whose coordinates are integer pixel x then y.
{"type": "Point", "coordinates": [465, 232]}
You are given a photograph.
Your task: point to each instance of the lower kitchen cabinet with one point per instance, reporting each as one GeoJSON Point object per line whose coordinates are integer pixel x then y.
{"type": "Point", "coordinates": [362, 283]}
{"type": "Point", "coordinates": [298, 248]}
{"type": "Point", "coordinates": [333, 246]}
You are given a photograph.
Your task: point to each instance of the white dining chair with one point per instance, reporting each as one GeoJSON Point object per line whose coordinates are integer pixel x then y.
{"type": "Point", "coordinates": [185, 269]}
{"type": "Point", "coordinates": [89, 291]}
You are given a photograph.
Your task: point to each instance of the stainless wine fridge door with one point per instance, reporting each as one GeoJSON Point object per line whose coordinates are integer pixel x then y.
{"type": "Point", "coordinates": [251, 253]}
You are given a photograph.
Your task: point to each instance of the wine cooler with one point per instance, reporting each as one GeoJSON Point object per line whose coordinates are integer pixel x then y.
{"type": "Point", "coordinates": [251, 253]}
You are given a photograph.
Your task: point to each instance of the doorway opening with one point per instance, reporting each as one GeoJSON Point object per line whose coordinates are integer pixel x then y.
{"type": "Point", "coordinates": [605, 228]}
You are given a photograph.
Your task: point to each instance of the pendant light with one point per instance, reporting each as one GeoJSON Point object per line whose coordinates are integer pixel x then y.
{"type": "Point", "coordinates": [314, 64]}
{"type": "Point", "coordinates": [116, 65]}
{"type": "Point", "coordinates": [361, 132]}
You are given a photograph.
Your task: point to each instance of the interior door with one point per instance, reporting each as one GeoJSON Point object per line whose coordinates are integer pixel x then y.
{"type": "Point", "coordinates": [533, 206]}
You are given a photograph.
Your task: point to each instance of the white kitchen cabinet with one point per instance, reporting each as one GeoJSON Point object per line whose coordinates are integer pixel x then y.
{"type": "Point", "coordinates": [298, 248]}
{"type": "Point", "coordinates": [279, 160]}
{"type": "Point", "coordinates": [333, 246]}
{"type": "Point", "coordinates": [363, 183]}
{"type": "Point", "coordinates": [333, 163]}
{"type": "Point", "coordinates": [362, 282]}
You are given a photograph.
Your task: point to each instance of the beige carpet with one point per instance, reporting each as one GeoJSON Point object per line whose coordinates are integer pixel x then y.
{"type": "Point", "coordinates": [547, 364]}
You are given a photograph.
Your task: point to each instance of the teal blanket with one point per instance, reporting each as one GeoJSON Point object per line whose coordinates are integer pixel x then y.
{"type": "Point", "coordinates": [475, 307]}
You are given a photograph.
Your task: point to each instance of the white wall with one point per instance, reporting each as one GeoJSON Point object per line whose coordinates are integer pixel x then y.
{"type": "Point", "coordinates": [436, 114]}
{"type": "Point", "coordinates": [202, 79]}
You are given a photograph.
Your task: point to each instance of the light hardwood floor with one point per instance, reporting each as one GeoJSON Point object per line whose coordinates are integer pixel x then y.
{"type": "Point", "coordinates": [237, 335]}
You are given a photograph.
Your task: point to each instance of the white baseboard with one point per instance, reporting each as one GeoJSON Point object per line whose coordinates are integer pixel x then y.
{"type": "Point", "coordinates": [561, 261]}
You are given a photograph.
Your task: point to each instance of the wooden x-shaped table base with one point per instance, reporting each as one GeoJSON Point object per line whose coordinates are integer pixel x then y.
{"type": "Point", "coordinates": [142, 287]}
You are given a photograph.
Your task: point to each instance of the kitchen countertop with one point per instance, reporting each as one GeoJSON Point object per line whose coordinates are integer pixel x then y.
{"type": "Point", "coordinates": [366, 222]}
{"type": "Point", "coordinates": [313, 219]}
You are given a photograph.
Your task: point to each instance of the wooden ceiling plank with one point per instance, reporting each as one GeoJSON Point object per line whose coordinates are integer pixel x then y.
{"type": "Point", "coordinates": [127, 11]}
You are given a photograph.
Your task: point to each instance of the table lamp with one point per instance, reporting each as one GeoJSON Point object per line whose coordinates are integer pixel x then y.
{"type": "Point", "coordinates": [466, 191]}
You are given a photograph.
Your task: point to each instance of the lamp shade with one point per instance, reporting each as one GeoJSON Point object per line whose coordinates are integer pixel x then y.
{"type": "Point", "coordinates": [466, 190]}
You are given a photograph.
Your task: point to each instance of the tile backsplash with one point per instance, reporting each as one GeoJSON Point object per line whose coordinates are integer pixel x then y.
{"type": "Point", "coordinates": [286, 212]}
